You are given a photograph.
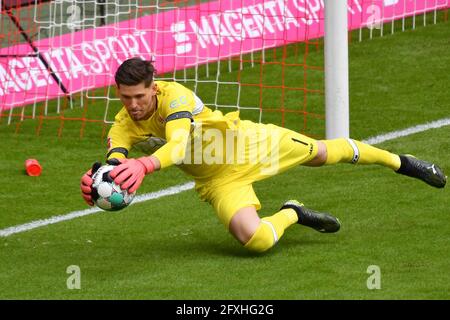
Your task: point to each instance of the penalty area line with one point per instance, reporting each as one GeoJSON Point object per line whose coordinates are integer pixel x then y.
{"type": "Point", "coordinates": [190, 185]}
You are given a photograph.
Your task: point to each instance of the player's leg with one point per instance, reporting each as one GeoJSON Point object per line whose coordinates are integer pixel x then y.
{"type": "Point", "coordinates": [353, 151]}
{"type": "Point", "coordinates": [257, 234]}
{"type": "Point", "coordinates": [297, 149]}
{"type": "Point", "coordinates": [262, 234]}
{"type": "Point", "coordinates": [237, 207]}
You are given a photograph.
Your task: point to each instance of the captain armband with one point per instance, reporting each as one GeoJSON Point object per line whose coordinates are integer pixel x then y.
{"type": "Point", "coordinates": [180, 115]}
{"type": "Point", "coordinates": [117, 150]}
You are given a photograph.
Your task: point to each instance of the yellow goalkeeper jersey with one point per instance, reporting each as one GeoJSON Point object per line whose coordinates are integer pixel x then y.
{"type": "Point", "coordinates": [173, 101]}
{"type": "Point", "coordinates": [221, 152]}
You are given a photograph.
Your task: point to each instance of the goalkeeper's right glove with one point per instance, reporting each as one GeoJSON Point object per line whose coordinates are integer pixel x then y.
{"type": "Point", "coordinates": [86, 183]}
{"type": "Point", "coordinates": [130, 173]}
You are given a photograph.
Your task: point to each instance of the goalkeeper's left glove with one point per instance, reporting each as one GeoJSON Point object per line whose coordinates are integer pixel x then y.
{"type": "Point", "coordinates": [130, 173]}
{"type": "Point", "coordinates": [86, 183]}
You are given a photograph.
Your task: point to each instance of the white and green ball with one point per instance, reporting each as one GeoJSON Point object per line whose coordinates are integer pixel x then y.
{"type": "Point", "coordinates": [106, 194]}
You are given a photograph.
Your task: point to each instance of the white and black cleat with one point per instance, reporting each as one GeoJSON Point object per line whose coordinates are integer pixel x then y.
{"type": "Point", "coordinates": [423, 170]}
{"type": "Point", "coordinates": [322, 222]}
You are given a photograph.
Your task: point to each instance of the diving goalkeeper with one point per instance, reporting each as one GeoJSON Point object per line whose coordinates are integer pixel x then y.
{"type": "Point", "coordinates": [225, 155]}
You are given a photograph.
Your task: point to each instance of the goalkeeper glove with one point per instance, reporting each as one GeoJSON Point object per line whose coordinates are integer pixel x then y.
{"type": "Point", "coordinates": [130, 173]}
{"type": "Point", "coordinates": [86, 183]}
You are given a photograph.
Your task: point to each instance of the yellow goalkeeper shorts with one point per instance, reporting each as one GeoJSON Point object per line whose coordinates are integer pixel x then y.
{"type": "Point", "coordinates": [232, 189]}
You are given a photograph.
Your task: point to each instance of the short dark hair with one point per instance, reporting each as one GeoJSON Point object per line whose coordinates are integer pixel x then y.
{"type": "Point", "coordinates": [134, 71]}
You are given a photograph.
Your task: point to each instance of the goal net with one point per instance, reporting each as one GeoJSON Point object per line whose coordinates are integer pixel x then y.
{"type": "Point", "coordinates": [265, 58]}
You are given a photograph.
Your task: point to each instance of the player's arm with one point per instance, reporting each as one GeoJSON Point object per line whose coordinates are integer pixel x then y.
{"type": "Point", "coordinates": [119, 142]}
{"type": "Point", "coordinates": [177, 135]}
{"type": "Point", "coordinates": [131, 172]}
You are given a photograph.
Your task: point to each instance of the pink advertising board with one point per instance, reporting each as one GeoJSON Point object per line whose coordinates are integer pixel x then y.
{"type": "Point", "coordinates": [176, 39]}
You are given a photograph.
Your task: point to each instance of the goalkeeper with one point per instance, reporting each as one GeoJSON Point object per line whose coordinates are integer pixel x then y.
{"type": "Point", "coordinates": [225, 155]}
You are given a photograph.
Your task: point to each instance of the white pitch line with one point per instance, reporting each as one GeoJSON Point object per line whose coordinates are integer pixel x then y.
{"type": "Point", "coordinates": [190, 185]}
{"type": "Point", "coordinates": [408, 131]}
{"type": "Point", "coordinates": [75, 214]}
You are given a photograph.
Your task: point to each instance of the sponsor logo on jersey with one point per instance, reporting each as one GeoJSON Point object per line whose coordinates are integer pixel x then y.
{"type": "Point", "coordinates": [182, 100]}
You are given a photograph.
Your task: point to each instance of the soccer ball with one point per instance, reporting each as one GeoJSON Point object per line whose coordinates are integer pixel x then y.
{"type": "Point", "coordinates": [106, 194]}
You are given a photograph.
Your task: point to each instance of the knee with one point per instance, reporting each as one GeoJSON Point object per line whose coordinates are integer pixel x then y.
{"type": "Point", "coordinates": [244, 224]}
{"type": "Point", "coordinates": [254, 233]}
{"type": "Point", "coordinates": [262, 240]}
{"type": "Point", "coordinates": [321, 156]}
{"type": "Point", "coordinates": [260, 245]}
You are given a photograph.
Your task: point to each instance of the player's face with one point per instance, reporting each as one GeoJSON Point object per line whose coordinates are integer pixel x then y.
{"type": "Point", "coordinates": [139, 101]}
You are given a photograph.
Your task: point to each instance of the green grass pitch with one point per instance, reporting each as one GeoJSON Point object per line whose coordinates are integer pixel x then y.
{"type": "Point", "coordinates": [175, 248]}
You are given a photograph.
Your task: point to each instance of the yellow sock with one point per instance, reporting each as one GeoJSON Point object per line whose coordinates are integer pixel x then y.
{"type": "Point", "coordinates": [353, 151]}
{"type": "Point", "coordinates": [270, 230]}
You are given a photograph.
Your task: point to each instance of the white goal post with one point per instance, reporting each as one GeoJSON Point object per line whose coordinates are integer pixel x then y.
{"type": "Point", "coordinates": [336, 70]}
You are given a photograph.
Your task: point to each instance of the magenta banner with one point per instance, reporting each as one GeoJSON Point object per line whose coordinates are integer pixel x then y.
{"type": "Point", "coordinates": [177, 39]}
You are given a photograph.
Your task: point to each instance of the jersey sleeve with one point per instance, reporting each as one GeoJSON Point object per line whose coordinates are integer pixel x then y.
{"type": "Point", "coordinates": [176, 110]}
{"type": "Point", "coordinates": [179, 103]}
{"type": "Point", "coordinates": [177, 135]}
{"type": "Point", "coordinates": [120, 138]}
